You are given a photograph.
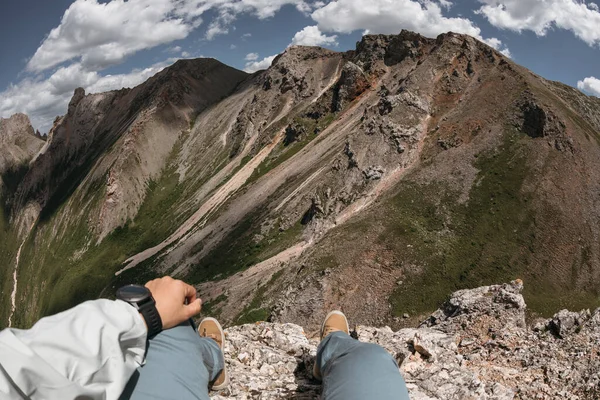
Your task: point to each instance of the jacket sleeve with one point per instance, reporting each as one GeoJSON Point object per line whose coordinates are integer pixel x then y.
{"type": "Point", "coordinates": [89, 351]}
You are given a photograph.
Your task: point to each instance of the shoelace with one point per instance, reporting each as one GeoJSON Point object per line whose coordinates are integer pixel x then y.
{"type": "Point", "coordinates": [212, 336]}
{"type": "Point", "coordinates": [328, 330]}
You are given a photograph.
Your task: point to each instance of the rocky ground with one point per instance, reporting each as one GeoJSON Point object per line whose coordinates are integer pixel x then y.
{"type": "Point", "coordinates": [477, 346]}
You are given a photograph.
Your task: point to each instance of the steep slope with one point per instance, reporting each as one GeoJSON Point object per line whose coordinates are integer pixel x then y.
{"type": "Point", "coordinates": [378, 180]}
{"type": "Point", "coordinates": [18, 145]}
{"type": "Point", "coordinates": [456, 169]}
{"type": "Point", "coordinates": [93, 175]}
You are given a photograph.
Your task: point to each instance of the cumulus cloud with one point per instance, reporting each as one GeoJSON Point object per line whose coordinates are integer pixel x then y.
{"type": "Point", "coordinates": [44, 99]}
{"type": "Point", "coordinates": [590, 85]}
{"type": "Point", "coordinates": [498, 45]}
{"type": "Point", "coordinates": [253, 66]}
{"type": "Point", "coordinates": [100, 34]}
{"type": "Point", "coordinates": [103, 34]}
{"type": "Point", "coordinates": [578, 16]}
{"type": "Point", "coordinates": [312, 36]}
{"type": "Point", "coordinates": [385, 16]}
{"type": "Point", "coordinates": [251, 57]}
{"type": "Point", "coordinates": [446, 4]}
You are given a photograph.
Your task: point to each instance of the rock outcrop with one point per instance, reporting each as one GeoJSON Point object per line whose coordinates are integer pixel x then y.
{"type": "Point", "coordinates": [477, 346]}
{"type": "Point", "coordinates": [18, 142]}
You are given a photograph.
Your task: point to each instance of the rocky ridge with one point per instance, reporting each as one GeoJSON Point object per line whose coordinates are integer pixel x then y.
{"type": "Point", "coordinates": [476, 346]}
{"type": "Point", "coordinates": [18, 141]}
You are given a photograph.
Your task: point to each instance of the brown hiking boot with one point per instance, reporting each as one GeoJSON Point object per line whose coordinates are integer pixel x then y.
{"type": "Point", "coordinates": [210, 328]}
{"type": "Point", "coordinates": [334, 321]}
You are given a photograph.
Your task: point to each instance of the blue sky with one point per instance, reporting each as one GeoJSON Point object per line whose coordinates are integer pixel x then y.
{"type": "Point", "coordinates": [51, 47]}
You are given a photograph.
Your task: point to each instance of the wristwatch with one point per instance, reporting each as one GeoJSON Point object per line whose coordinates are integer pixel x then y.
{"type": "Point", "coordinates": [141, 298]}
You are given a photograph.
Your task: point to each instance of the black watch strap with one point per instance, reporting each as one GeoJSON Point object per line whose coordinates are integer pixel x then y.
{"type": "Point", "coordinates": [152, 318]}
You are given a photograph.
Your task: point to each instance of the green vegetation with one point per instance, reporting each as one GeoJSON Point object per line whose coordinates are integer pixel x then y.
{"type": "Point", "coordinates": [253, 311]}
{"type": "Point", "coordinates": [488, 240]}
{"type": "Point", "coordinates": [485, 241]}
{"type": "Point", "coordinates": [240, 249]}
{"type": "Point", "coordinates": [8, 251]}
{"type": "Point", "coordinates": [212, 308]}
{"type": "Point", "coordinates": [72, 267]}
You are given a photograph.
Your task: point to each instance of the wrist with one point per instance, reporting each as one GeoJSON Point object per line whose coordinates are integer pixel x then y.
{"type": "Point", "coordinates": [141, 299]}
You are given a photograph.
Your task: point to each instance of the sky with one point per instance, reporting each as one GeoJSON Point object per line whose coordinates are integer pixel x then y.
{"type": "Point", "coordinates": [49, 48]}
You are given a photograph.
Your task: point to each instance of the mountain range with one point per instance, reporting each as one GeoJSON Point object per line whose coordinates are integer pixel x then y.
{"type": "Point", "coordinates": [378, 181]}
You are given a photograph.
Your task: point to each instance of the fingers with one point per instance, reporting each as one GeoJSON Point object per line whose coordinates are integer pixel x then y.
{"type": "Point", "coordinates": [189, 292]}
{"type": "Point", "coordinates": [193, 308]}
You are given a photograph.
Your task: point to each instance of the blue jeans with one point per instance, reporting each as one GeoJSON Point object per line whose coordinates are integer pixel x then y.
{"type": "Point", "coordinates": [353, 370]}
{"type": "Point", "coordinates": [179, 365]}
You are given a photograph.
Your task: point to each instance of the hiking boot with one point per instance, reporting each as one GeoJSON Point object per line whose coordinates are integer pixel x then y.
{"type": "Point", "coordinates": [334, 321]}
{"type": "Point", "coordinates": [210, 328]}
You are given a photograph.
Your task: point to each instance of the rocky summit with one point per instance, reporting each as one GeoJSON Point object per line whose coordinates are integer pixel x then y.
{"type": "Point", "coordinates": [477, 346]}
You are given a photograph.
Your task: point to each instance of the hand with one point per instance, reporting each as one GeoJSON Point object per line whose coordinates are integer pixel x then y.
{"type": "Point", "coordinates": [170, 296]}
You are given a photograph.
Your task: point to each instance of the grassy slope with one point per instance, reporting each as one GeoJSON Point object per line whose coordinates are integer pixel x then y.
{"type": "Point", "coordinates": [445, 246]}
{"type": "Point", "coordinates": [239, 250]}
{"type": "Point", "coordinates": [8, 250]}
{"type": "Point", "coordinates": [57, 279]}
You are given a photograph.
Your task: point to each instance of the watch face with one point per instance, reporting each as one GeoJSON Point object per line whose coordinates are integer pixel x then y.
{"type": "Point", "coordinates": [133, 293]}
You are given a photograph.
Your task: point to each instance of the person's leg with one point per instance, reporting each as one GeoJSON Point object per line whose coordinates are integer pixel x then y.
{"type": "Point", "coordinates": [179, 365]}
{"type": "Point", "coordinates": [354, 370]}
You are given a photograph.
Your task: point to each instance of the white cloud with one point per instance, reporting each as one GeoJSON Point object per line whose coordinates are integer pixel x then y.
{"type": "Point", "coordinates": [390, 17]}
{"type": "Point", "coordinates": [312, 36]}
{"type": "Point", "coordinates": [446, 4]}
{"type": "Point", "coordinates": [385, 16]}
{"type": "Point", "coordinates": [590, 85]}
{"type": "Point", "coordinates": [497, 44]}
{"type": "Point", "coordinates": [43, 99]}
{"type": "Point", "coordinates": [96, 34]}
{"type": "Point", "coordinates": [104, 34]}
{"type": "Point", "coordinates": [232, 47]}
{"type": "Point", "coordinates": [99, 35]}
{"type": "Point", "coordinates": [251, 57]}
{"type": "Point", "coordinates": [253, 66]}
{"type": "Point", "coordinates": [540, 16]}
{"type": "Point", "coordinates": [220, 25]}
